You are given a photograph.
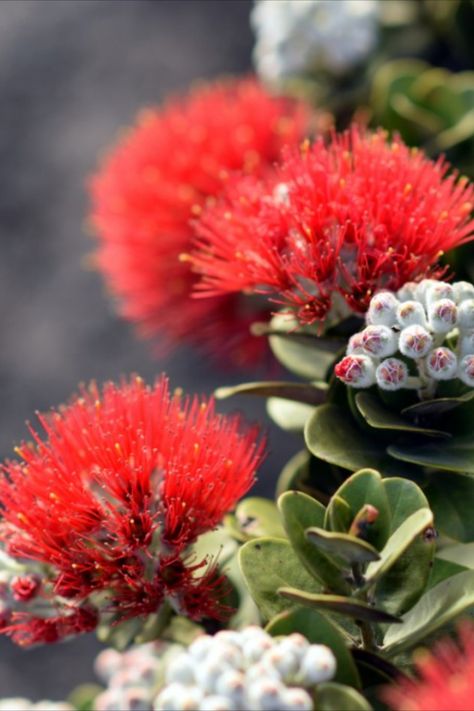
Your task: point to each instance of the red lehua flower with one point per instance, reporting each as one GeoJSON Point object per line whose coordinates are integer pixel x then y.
{"type": "Point", "coordinates": [127, 478]}
{"type": "Point", "coordinates": [446, 678]}
{"type": "Point", "coordinates": [157, 178]}
{"type": "Point", "coordinates": [356, 215]}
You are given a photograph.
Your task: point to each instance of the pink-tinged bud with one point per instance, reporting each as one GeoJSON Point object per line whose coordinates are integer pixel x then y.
{"type": "Point", "coordinates": [415, 341]}
{"type": "Point", "coordinates": [382, 309]}
{"type": "Point", "coordinates": [442, 315]}
{"type": "Point", "coordinates": [358, 371]}
{"type": "Point", "coordinates": [439, 290]}
{"type": "Point", "coordinates": [25, 587]}
{"type": "Point", "coordinates": [410, 313]}
{"type": "Point", "coordinates": [463, 290]}
{"type": "Point", "coordinates": [466, 315]}
{"type": "Point", "coordinates": [407, 291]}
{"type": "Point", "coordinates": [391, 374]}
{"type": "Point", "coordinates": [379, 341]}
{"type": "Point", "coordinates": [421, 290]}
{"type": "Point", "coordinates": [466, 370]}
{"type": "Point", "coordinates": [442, 364]}
{"type": "Point", "coordinates": [355, 345]}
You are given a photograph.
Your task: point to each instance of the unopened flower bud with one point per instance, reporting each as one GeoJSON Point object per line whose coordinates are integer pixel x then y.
{"type": "Point", "coordinates": [442, 315]}
{"type": "Point", "coordinates": [463, 290]}
{"type": "Point", "coordinates": [265, 694]}
{"type": "Point", "coordinates": [439, 290]}
{"type": "Point", "coordinates": [283, 661]}
{"type": "Point", "coordinates": [297, 700]}
{"type": "Point", "coordinates": [422, 288]}
{"type": "Point", "coordinates": [177, 697]}
{"type": "Point", "coordinates": [358, 371]}
{"type": "Point", "coordinates": [415, 341]}
{"type": "Point", "coordinates": [407, 291]}
{"type": "Point", "coordinates": [382, 309]}
{"type": "Point", "coordinates": [355, 345]}
{"type": "Point", "coordinates": [391, 374]}
{"type": "Point", "coordinates": [217, 703]}
{"type": "Point", "coordinates": [231, 684]}
{"type": "Point", "coordinates": [410, 313]}
{"type": "Point", "coordinates": [379, 341]}
{"type": "Point", "coordinates": [319, 664]}
{"type": "Point", "coordinates": [25, 587]}
{"type": "Point", "coordinates": [442, 364]}
{"type": "Point", "coordinates": [466, 370]}
{"type": "Point", "coordinates": [467, 343]}
{"type": "Point", "coordinates": [466, 315]}
{"type": "Point", "coordinates": [181, 669]}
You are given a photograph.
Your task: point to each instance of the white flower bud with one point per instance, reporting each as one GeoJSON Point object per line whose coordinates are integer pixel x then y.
{"type": "Point", "coordinates": [466, 343]}
{"type": "Point", "coordinates": [415, 341]}
{"type": "Point", "coordinates": [463, 290]}
{"type": "Point", "coordinates": [230, 637]}
{"type": "Point", "coordinates": [255, 648]}
{"type": "Point", "coordinates": [319, 664]}
{"type": "Point", "coordinates": [181, 669]}
{"type": "Point", "coordinates": [200, 647]}
{"type": "Point", "coordinates": [439, 290]}
{"type": "Point", "coordinates": [466, 315]}
{"type": "Point", "coordinates": [357, 371]}
{"type": "Point", "coordinates": [407, 291]}
{"type": "Point", "coordinates": [108, 700]}
{"type": "Point", "coordinates": [441, 364]}
{"type": "Point", "coordinates": [382, 309]}
{"type": "Point", "coordinates": [265, 695]}
{"type": "Point", "coordinates": [379, 341]}
{"type": "Point", "coordinates": [231, 684]}
{"type": "Point", "coordinates": [410, 313]}
{"type": "Point", "coordinates": [355, 345]}
{"type": "Point", "coordinates": [208, 672]}
{"type": "Point", "coordinates": [15, 704]}
{"type": "Point", "coordinates": [422, 288]}
{"type": "Point", "coordinates": [391, 374]}
{"type": "Point", "coordinates": [297, 700]}
{"type": "Point", "coordinates": [177, 697]}
{"type": "Point", "coordinates": [466, 370]}
{"type": "Point", "coordinates": [217, 703]}
{"type": "Point", "coordinates": [137, 699]}
{"type": "Point", "coordinates": [295, 644]}
{"type": "Point", "coordinates": [286, 663]}
{"type": "Point", "coordinates": [107, 663]}
{"type": "Point", "coordinates": [442, 315]}
{"type": "Point", "coordinates": [260, 670]}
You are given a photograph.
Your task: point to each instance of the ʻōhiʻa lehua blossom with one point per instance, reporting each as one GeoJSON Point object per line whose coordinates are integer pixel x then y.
{"type": "Point", "coordinates": [345, 218]}
{"type": "Point", "coordinates": [156, 179]}
{"type": "Point", "coordinates": [106, 505]}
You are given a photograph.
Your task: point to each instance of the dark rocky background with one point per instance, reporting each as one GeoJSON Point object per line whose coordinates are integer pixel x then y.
{"type": "Point", "coordinates": [72, 73]}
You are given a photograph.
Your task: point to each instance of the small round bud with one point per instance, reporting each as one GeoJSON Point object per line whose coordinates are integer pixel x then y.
{"type": "Point", "coordinates": [410, 313]}
{"type": "Point", "coordinates": [297, 700]}
{"type": "Point", "coordinates": [382, 309]}
{"type": "Point", "coordinates": [231, 684]}
{"type": "Point", "coordinates": [261, 670]}
{"type": "Point", "coordinates": [265, 694]}
{"type": "Point", "coordinates": [255, 648]}
{"type": "Point", "coordinates": [391, 374]}
{"type": "Point", "coordinates": [181, 669]}
{"type": "Point", "coordinates": [422, 288]}
{"type": "Point", "coordinates": [407, 291]}
{"type": "Point", "coordinates": [466, 370]}
{"type": "Point", "coordinates": [217, 703]}
{"type": "Point", "coordinates": [15, 704]}
{"type": "Point", "coordinates": [177, 697]}
{"type": "Point", "coordinates": [467, 343]}
{"type": "Point", "coordinates": [355, 345]}
{"type": "Point", "coordinates": [25, 587]}
{"type": "Point", "coordinates": [442, 315]}
{"type": "Point", "coordinates": [463, 290]}
{"type": "Point", "coordinates": [285, 662]}
{"type": "Point", "coordinates": [442, 364]}
{"type": "Point", "coordinates": [415, 341]}
{"type": "Point", "coordinates": [466, 315]}
{"type": "Point", "coordinates": [439, 290]}
{"type": "Point", "coordinates": [200, 647]}
{"type": "Point", "coordinates": [319, 664]}
{"type": "Point", "coordinates": [379, 341]}
{"type": "Point", "coordinates": [108, 663]}
{"type": "Point", "coordinates": [357, 371]}
{"type": "Point", "coordinates": [208, 673]}
{"type": "Point", "coordinates": [295, 644]}
{"type": "Point", "coordinates": [136, 698]}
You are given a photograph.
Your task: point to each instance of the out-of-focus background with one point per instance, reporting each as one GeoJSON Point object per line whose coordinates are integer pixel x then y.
{"type": "Point", "coordinates": [72, 73]}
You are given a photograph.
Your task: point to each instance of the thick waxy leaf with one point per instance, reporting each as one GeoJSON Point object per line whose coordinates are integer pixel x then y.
{"type": "Point", "coordinates": [461, 554]}
{"type": "Point", "coordinates": [331, 435]}
{"type": "Point", "coordinates": [341, 545]}
{"type": "Point", "coordinates": [435, 609]}
{"type": "Point", "coordinates": [380, 417]}
{"type": "Point", "coordinates": [456, 454]}
{"type": "Point", "coordinates": [289, 415]}
{"type": "Point", "coordinates": [335, 697]}
{"type": "Point", "coordinates": [404, 498]}
{"type": "Point", "coordinates": [366, 487]}
{"type": "Point", "coordinates": [339, 515]}
{"type": "Point", "coordinates": [268, 564]}
{"type": "Point", "coordinates": [295, 469]}
{"type": "Point", "coordinates": [441, 570]}
{"type": "Point", "coordinates": [398, 543]}
{"type": "Point", "coordinates": [257, 517]}
{"type": "Point", "coordinates": [318, 629]}
{"type": "Point", "coordinates": [451, 496]}
{"type": "Point", "coordinates": [350, 607]}
{"type": "Point", "coordinates": [299, 512]}
{"type": "Point", "coordinates": [312, 394]}
{"type": "Point", "coordinates": [374, 669]}
{"type": "Point", "coordinates": [437, 407]}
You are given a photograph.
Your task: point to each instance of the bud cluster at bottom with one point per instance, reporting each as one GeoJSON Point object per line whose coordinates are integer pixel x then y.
{"type": "Point", "coordinates": [21, 704]}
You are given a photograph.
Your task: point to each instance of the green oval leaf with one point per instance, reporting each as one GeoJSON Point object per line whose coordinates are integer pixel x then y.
{"type": "Point", "coordinates": [380, 417]}
{"type": "Point", "coordinates": [299, 512]}
{"type": "Point", "coordinates": [439, 406]}
{"type": "Point", "coordinates": [456, 455]}
{"type": "Point", "coordinates": [318, 629]}
{"type": "Point", "coordinates": [294, 470]}
{"type": "Point", "coordinates": [451, 496]}
{"type": "Point", "coordinates": [349, 548]}
{"type": "Point", "coordinates": [267, 564]}
{"type": "Point", "coordinates": [336, 697]}
{"type": "Point", "coordinates": [339, 515]}
{"type": "Point", "coordinates": [312, 394]}
{"type": "Point", "coordinates": [461, 554]}
{"type": "Point", "coordinates": [350, 607]}
{"type": "Point", "coordinates": [289, 415]}
{"type": "Point", "coordinates": [433, 611]}
{"type": "Point", "coordinates": [257, 517]}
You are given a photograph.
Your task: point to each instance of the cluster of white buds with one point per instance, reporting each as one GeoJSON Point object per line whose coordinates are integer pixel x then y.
{"type": "Point", "coordinates": [245, 670]}
{"type": "Point", "coordinates": [21, 704]}
{"type": "Point", "coordinates": [426, 329]}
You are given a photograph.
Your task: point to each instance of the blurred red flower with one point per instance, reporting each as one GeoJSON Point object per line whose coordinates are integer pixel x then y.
{"type": "Point", "coordinates": [350, 216]}
{"type": "Point", "coordinates": [151, 184]}
{"type": "Point", "coordinates": [127, 478]}
{"type": "Point", "coordinates": [445, 678]}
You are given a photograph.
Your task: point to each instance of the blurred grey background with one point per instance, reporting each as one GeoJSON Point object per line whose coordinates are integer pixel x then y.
{"type": "Point", "coordinates": [72, 73]}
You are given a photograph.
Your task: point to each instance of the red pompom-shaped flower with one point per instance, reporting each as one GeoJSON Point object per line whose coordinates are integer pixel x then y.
{"type": "Point", "coordinates": [446, 678]}
{"type": "Point", "coordinates": [157, 178]}
{"type": "Point", "coordinates": [126, 480]}
{"type": "Point", "coordinates": [350, 217]}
